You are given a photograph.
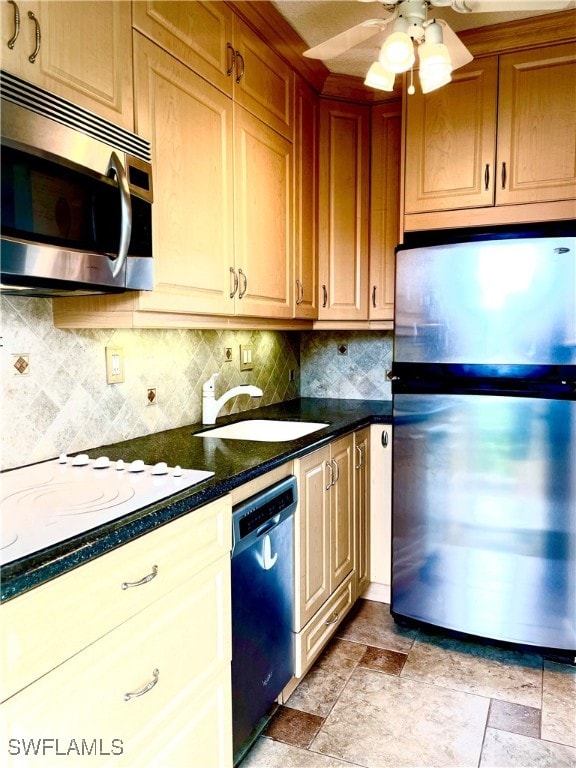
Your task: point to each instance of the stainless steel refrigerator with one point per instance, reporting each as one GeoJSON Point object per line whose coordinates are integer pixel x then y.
{"type": "Point", "coordinates": [484, 442]}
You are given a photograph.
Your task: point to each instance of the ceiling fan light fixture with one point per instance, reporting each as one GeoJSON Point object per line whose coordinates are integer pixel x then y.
{"type": "Point", "coordinates": [379, 77]}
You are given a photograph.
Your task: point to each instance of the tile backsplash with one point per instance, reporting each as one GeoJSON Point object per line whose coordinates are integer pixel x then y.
{"type": "Point", "coordinates": [61, 402]}
{"type": "Point", "coordinates": [346, 364]}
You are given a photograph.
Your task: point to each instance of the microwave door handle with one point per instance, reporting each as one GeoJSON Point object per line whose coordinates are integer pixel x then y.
{"type": "Point", "coordinates": [115, 168]}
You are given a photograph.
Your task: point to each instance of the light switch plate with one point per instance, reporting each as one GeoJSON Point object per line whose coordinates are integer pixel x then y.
{"type": "Point", "coordinates": [246, 357]}
{"type": "Point", "coordinates": [114, 365]}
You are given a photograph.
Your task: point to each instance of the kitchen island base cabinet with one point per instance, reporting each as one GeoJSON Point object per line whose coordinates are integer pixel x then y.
{"type": "Point", "coordinates": [155, 690]}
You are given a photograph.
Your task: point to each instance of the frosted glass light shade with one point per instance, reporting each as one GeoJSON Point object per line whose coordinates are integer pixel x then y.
{"type": "Point", "coordinates": [380, 77]}
{"type": "Point", "coordinates": [435, 66]}
{"type": "Point", "coordinates": [397, 53]}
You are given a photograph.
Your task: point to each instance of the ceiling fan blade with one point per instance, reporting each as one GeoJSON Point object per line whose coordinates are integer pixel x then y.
{"type": "Point", "coordinates": [459, 54]}
{"type": "Point", "coordinates": [494, 6]}
{"type": "Point", "coordinates": [333, 47]}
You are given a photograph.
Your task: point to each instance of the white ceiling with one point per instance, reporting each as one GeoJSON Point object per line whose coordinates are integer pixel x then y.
{"type": "Point", "coordinates": [318, 20]}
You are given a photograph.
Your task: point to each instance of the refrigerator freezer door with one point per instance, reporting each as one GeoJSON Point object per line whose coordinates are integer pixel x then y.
{"type": "Point", "coordinates": [492, 302]}
{"type": "Point", "coordinates": [484, 516]}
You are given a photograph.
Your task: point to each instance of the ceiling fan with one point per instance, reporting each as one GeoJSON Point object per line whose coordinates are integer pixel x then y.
{"type": "Point", "coordinates": [440, 50]}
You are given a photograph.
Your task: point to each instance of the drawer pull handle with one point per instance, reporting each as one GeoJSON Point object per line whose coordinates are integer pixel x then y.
{"type": "Point", "coordinates": [232, 52]}
{"type": "Point", "coordinates": [360, 457]}
{"type": "Point", "coordinates": [143, 580]}
{"type": "Point", "coordinates": [36, 51]}
{"type": "Point", "coordinates": [147, 687]}
{"type": "Point", "coordinates": [331, 470]}
{"type": "Point", "coordinates": [16, 25]}
{"type": "Point", "coordinates": [333, 619]}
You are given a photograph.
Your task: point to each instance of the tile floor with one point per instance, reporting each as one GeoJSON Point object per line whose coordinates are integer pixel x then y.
{"type": "Point", "coordinates": [385, 697]}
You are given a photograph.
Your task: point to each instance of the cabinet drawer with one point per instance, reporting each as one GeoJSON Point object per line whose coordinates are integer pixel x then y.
{"type": "Point", "coordinates": [47, 625]}
{"type": "Point", "coordinates": [316, 633]}
{"type": "Point", "coordinates": [184, 637]}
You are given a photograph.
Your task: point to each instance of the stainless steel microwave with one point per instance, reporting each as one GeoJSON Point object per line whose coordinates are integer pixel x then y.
{"type": "Point", "coordinates": [76, 199]}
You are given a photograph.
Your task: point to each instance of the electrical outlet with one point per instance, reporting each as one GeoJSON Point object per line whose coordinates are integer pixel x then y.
{"type": "Point", "coordinates": [151, 395]}
{"type": "Point", "coordinates": [246, 359]}
{"type": "Point", "coordinates": [114, 365]}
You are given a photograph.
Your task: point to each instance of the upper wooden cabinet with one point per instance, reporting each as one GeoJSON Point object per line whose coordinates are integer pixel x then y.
{"type": "Point", "coordinates": [384, 207]}
{"type": "Point", "coordinates": [263, 215]}
{"type": "Point", "coordinates": [536, 153]}
{"type": "Point", "coordinates": [210, 39]}
{"type": "Point", "coordinates": [189, 123]}
{"type": "Point", "coordinates": [344, 211]}
{"type": "Point", "coordinates": [197, 33]}
{"type": "Point", "coordinates": [305, 280]}
{"type": "Point", "coordinates": [84, 53]}
{"type": "Point", "coordinates": [502, 133]}
{"type": "Point", "coordinates": [223, 196]}
{"type": "Point", "coordinates": [451, 140]}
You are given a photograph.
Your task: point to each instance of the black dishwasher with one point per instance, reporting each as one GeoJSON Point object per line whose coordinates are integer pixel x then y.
{"type": "Point", "coordinates": [262, 607]}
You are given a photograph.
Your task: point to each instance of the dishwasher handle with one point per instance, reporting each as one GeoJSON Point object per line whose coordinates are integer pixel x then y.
{"type": "Point", "coordinates": [267, 526]}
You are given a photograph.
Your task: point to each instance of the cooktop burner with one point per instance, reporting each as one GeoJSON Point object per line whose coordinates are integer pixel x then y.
{"type": "Point", "coordinates": [46, 503]}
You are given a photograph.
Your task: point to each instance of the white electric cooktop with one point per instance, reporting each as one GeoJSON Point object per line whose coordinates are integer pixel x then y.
{"type": "Point", "coordinates": [46, 503]}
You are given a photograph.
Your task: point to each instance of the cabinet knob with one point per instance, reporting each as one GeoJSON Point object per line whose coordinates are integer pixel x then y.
{"type": "Point", "coordinates": [384, 438]}
{"type": "Point", "coordinates": [487, 176]}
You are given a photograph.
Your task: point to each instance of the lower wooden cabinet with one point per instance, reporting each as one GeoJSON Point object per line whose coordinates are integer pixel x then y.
{"type": "Point", "coordinates": [361, 511]}
{"type": "Point", "coordinates": [155, 690]}
{"type": "Point", "coordinates": [324, 551]}
{"type": "Point", "coordinates": [380, 513]}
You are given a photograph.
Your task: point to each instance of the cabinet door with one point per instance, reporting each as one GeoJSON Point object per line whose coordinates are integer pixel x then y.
{"type": "Point", "coordinates": [450, 141]}
{"type": "Point", "coordinates": [186, 638]}
{"type": "Point", "coordinates": [85, 53]}
{"type": "Point", "coordinates": [306, 196]}
{"type": "Point", "coordinates": [189, 123]}
{"type": "Point", "coordinates": [199, 34]}
{"type": "Point", "coordinates": [341, 511]}
{"type": "Point", "coordinates": [537, 125]}
{"type": "Point", "coordinates": [361, 510]}
{"type": "Point", "coordinates": [384, 207]}
{"type": "Point", "coordinates": [380, 512]}
{"type": "Point", "coordinates": [263, 218]}
{"type": "Point", "coordinates": [343, 211]}
{"type": "Point", "coordinates": [263, 82]}
{"type": "Point", "coordinates": [312, 550]}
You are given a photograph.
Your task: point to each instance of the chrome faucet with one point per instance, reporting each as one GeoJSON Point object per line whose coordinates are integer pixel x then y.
{"type": "Point", "coordinates": [211, 407]}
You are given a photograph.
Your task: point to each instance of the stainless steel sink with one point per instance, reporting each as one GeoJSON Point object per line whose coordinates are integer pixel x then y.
{"type": "Point", "coordinates": [264, 430]}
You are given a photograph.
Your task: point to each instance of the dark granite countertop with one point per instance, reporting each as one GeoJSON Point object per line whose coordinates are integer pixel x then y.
{"type": "Point", "coordinates": [234, 463]}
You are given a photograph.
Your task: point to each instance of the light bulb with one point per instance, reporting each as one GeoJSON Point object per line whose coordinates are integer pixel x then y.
{"type": "Point", "coordinates": [397, 53]}
{"type": "Point", "coordinates": [380, 77]}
